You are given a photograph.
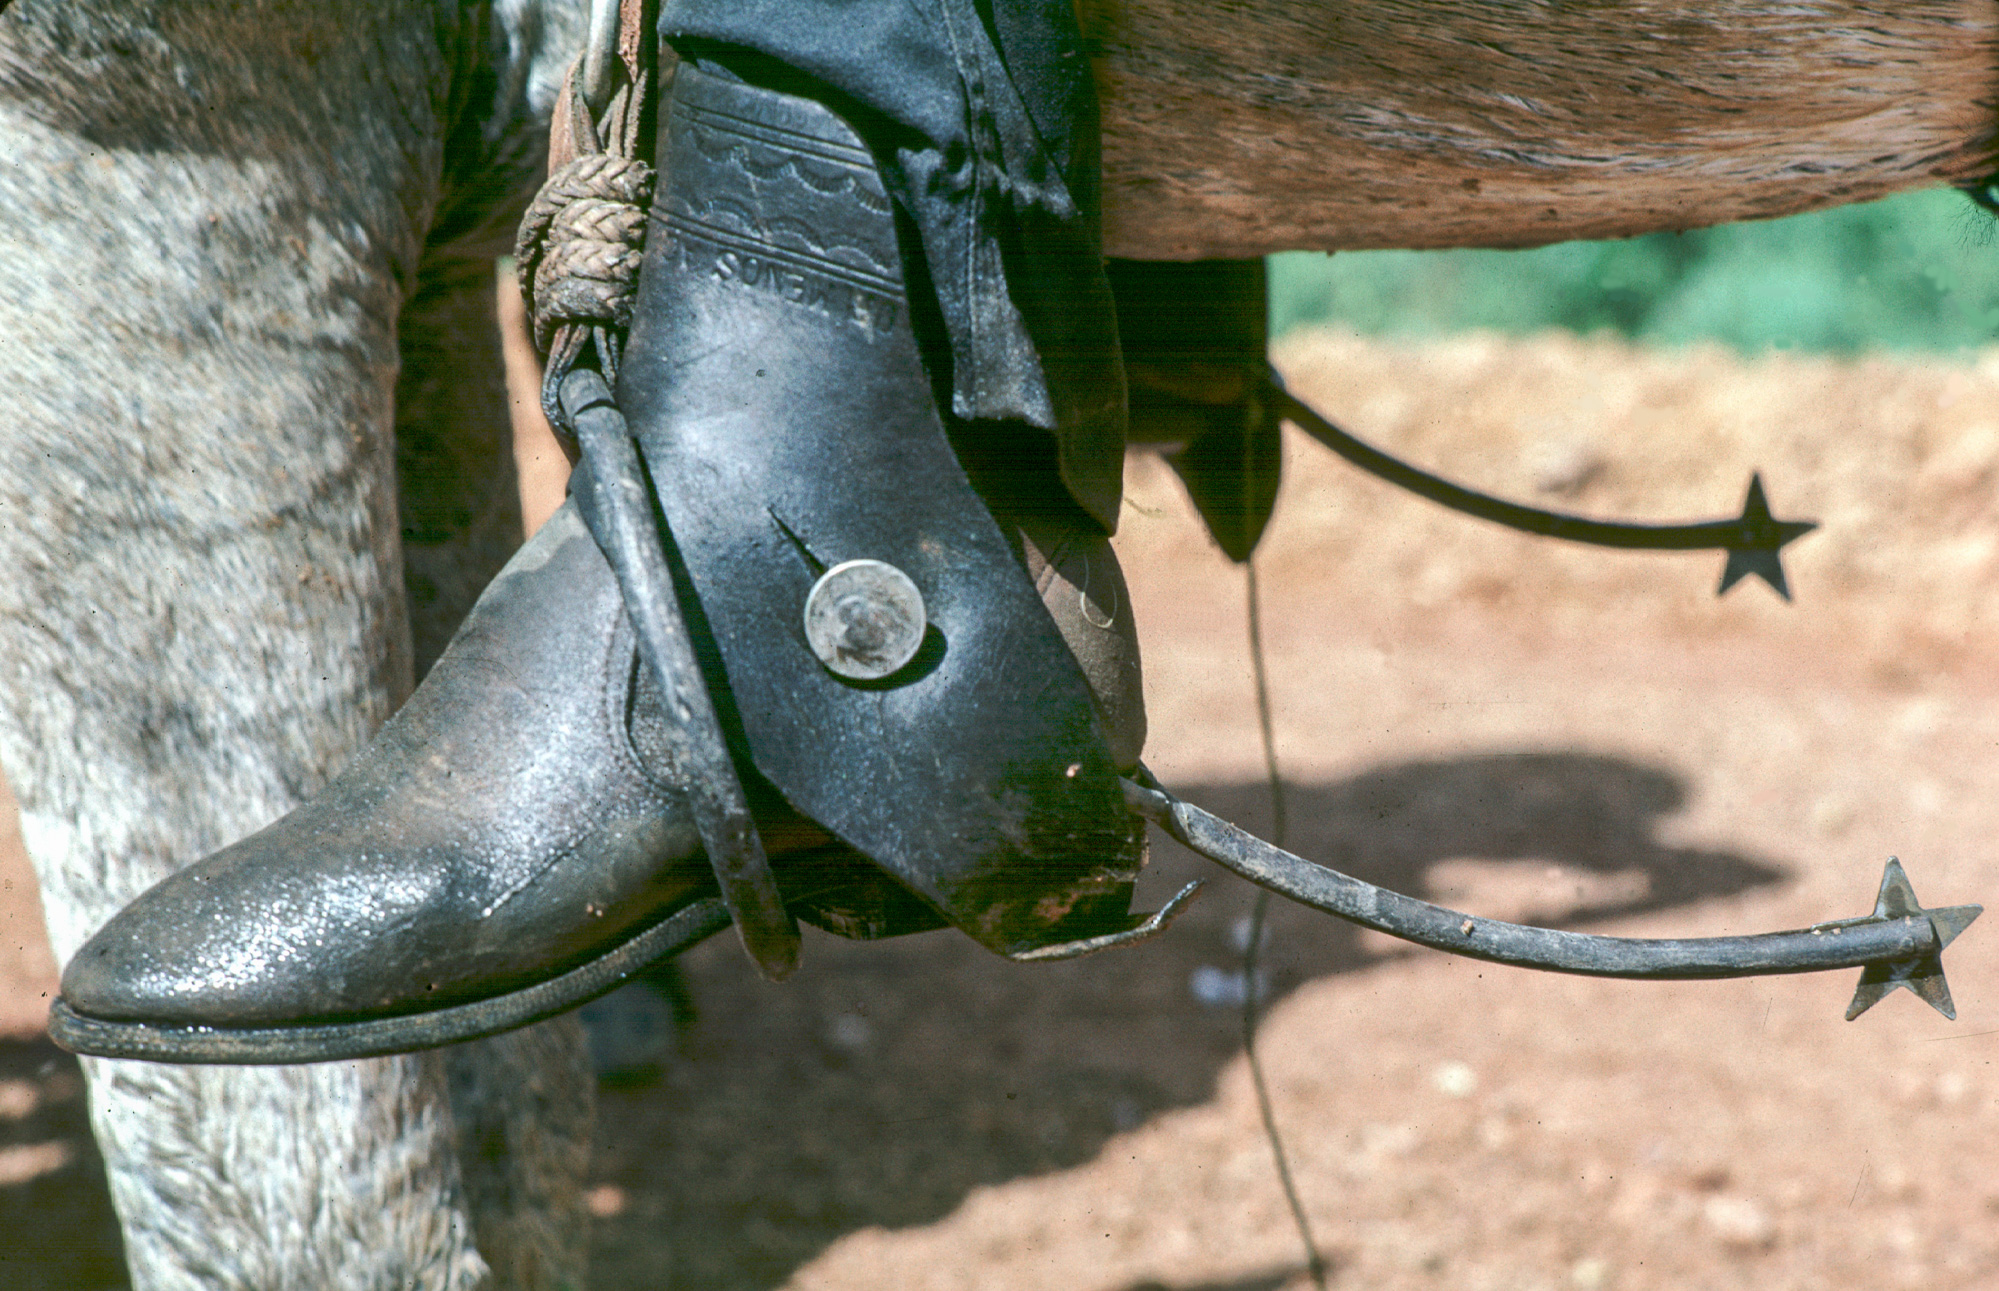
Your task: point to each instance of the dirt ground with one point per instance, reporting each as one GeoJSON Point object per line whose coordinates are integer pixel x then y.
{"type": "Point", "coordinates": [1509, 726]}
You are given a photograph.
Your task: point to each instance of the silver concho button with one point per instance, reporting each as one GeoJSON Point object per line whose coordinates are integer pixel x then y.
{"type": "Point", "coordinates": [864, 619]}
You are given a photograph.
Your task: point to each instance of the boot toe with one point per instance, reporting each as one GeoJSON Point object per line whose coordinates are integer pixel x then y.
{"type": "Point", "coordinates": [119, 975]}
{"type": "Point", "coordinates": [235, 942]}
{"type": "Point", "coordinates": [500, 831]}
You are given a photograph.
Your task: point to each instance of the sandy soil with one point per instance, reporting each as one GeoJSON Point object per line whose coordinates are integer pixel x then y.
{"type": "Point", "coordinates": [1509, 726]}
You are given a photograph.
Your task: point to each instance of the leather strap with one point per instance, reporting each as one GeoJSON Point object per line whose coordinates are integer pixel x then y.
{"type": "Point", "coordinates": [608, 140]}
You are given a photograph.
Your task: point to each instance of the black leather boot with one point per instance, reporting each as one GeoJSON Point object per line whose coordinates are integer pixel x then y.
{"type": "Point", "coordinates": [515, 840]}
{"type": "Point", "coordinates": [511, 824]}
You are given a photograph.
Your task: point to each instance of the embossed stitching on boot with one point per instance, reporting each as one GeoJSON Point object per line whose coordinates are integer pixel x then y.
{"type": "Point", "coordinates": [784, 254]}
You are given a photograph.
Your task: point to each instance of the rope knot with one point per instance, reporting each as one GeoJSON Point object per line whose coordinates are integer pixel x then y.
{"type": "Point", "coordinates": [581, 243]}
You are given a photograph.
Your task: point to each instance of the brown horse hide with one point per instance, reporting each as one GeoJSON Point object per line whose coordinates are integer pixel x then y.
{"type": "Point", "coordinates": [1242, 129]}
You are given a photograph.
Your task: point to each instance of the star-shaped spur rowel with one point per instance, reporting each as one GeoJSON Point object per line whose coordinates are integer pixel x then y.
{"type": "Point", "coordinates": [1759, 542]}
{"type": "Point", "coordinates": [1924, 974]}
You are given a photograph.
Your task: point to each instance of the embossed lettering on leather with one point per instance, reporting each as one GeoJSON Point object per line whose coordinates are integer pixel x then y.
{"type": "Point", "coordinates": [842, 272]}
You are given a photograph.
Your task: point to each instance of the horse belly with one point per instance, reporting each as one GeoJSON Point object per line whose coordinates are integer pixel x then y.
{"type": "Point", "coordinates": [1238, 130]}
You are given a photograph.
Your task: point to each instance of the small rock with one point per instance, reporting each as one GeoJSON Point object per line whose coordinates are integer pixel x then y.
{"type": "Point", "coordinates": [1831, 816]}
{"type": "Point", "coordinates": [1454, 1079]}
{"type": "Point", "coordinates": [18, 1100]}
{"type": "Point", "coordinates": [605, 1201]}
{"type": "Point", "coordinates": [1381, 1141]}
{"type": "Point", "coordinates": [1739, 1222]}
{"type": "Point", "coordinates": [1239, 934]}
{"type": "Point", "coordinates": [1220, 989]}
{"type": "Point", "coordinates": [1712, 1179]}
{"type": "Point", "coordinates": [28, 1161]}
{"type": "Point", "coordinates": [1565, 467]}
{"type": "Point", "coordinates": [850, 1032]}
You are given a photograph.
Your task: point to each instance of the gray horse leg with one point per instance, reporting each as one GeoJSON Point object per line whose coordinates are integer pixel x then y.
{"type": "Point", "coordinates": [524, 1102]}
{"type": "Point", "coordinates": [208, 221]}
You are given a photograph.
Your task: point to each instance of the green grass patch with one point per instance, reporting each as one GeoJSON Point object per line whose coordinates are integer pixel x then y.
{"type": "Point", "coordinates": [1918, 271]}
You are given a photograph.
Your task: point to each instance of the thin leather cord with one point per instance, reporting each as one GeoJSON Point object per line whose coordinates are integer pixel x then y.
{"type": "Point", "coordinates": [1315, 1262]}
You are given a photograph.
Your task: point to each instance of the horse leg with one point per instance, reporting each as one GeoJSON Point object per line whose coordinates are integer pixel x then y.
{"type": "Point", "coordinates": [205, 233]}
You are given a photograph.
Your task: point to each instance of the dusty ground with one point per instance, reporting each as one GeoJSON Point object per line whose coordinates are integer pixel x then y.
{"type": "Point", "coordinates": [1511, 727]}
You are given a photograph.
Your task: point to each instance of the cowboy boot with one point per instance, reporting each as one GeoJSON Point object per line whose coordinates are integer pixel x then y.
{"type": "Point", "coordinates": [973, 770]}
{"type": "Point", "coordinates": [516, 841]}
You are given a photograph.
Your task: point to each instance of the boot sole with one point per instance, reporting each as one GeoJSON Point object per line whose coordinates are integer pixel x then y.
{"type": "Point", "coordinates": [375, 1037]}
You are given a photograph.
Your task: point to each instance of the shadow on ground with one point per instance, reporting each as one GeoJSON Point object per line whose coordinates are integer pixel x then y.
{"type": "Point", "coordinates": [887, 1080]}
{"type": "Point", "coordinates": [1260, 1282]}
{"type": "Point", "coordinates": [57, 1230]}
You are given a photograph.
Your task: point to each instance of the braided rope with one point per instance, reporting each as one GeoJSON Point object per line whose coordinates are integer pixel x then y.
{"type": "Point", "coordinates": [581, 242]}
